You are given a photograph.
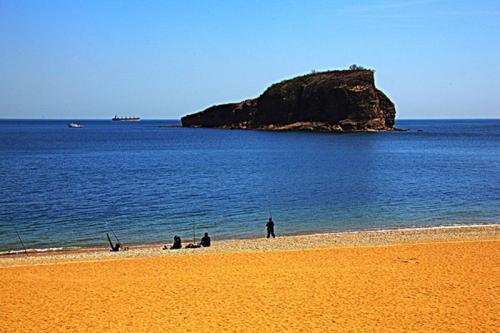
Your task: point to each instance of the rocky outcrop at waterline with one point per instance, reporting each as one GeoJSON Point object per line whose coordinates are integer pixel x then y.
{"type": "Point", "coordinates": [332, 101]}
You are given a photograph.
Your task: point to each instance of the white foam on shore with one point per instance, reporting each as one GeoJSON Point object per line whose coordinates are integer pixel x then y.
{"type": "Point", "coordinates": [417, 228]}
{"type": "Point", "coordinates": [39, 250]}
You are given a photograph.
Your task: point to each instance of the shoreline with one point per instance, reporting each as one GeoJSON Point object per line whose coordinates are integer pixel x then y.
{"type": "Point", "coordinates": [361, 238]}
{"type": "Point", "coordinates": [98, 247]}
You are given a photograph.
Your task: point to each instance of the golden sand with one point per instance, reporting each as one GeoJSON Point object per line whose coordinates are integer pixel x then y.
{"type": "Point", "coordinates": [431, 286]}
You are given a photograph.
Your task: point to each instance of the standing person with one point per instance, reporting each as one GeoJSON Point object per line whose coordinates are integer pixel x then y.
{"type": "Point", "coordinates": [270, 228]}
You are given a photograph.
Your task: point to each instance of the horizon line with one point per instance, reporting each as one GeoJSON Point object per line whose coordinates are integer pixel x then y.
{"type": "Point", "coordinates": [403, 118]}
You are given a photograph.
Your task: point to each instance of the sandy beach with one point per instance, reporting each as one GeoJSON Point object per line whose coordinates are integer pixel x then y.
{"type": "Point", "coordinates": [418, 280]}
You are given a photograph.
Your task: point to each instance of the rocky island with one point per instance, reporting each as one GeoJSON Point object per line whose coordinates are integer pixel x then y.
{"type": "Point", "coordinates": [331, 101]}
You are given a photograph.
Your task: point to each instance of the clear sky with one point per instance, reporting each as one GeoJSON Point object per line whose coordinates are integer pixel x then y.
{"type": "Point", "coordinates": [164, 59]}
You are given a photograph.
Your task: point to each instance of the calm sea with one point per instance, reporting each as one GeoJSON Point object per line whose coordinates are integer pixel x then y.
{"type": "Point", "coordinates": [67, 187]}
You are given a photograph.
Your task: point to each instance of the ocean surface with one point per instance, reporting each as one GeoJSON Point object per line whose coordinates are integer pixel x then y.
{"type": "Point", "coordinates": [62, 187]}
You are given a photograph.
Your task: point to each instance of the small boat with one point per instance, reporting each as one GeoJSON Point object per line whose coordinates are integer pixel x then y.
{"type": "Point", "coordinates": [75, 125]}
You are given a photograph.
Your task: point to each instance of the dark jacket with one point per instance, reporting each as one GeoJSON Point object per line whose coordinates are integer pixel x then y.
{"type": "Point", "coordinates": [205, 241]}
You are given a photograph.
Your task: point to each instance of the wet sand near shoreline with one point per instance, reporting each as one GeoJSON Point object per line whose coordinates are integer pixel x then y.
{"type": "Point", "coordinates": [429, 280]}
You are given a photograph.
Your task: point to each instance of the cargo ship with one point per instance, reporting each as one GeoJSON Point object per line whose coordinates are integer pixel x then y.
{"type": "Point", "coordinates": [126, 118]}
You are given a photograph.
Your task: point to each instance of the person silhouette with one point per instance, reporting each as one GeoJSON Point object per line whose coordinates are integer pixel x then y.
{"type": "Point", "coordinates": [177, 243]}
{"type": "Point", "coordinates": [270, 228]}
{"type": "Point", "coordinates": [205, 240]}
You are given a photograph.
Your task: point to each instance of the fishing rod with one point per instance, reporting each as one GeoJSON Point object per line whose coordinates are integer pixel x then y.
{"type": "Point", "coordinates": [22, 243]}
{"type": "Point", "coordinates": [112, 231]}
{"type": "Point", "coordinates": [194, 233]}
{"type": "Point", "coordinates": [114, 234]}
{"type": "Point", "coordinates": [269, 207]}
{"type": "Point", "coordinates": [113, 211]}
{"type": "Point", "coordinates": [118, 244]}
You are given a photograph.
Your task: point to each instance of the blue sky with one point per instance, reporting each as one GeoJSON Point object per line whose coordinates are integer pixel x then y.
{"type": "Point", "coordinates": [164, 59]}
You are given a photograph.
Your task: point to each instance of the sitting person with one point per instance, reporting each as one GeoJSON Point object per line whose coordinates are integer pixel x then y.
{"type": "Point", "coordinates": [176, 245]}
{"type": "Point", "coordinates": [205, 242]}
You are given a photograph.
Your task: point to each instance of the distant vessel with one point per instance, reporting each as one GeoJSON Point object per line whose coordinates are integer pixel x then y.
{"type": "Point", "coordinates": [75, 125]}
{"type": "Point", "coordinates": [126, 118]}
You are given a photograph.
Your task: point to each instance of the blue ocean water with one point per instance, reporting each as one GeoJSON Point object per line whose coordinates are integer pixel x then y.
{"type": "Point", "coordinates": [68, 187]}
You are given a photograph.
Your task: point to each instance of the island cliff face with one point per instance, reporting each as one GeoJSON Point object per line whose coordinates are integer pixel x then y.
{"type": "Point", "coordinates": [333, 101]}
